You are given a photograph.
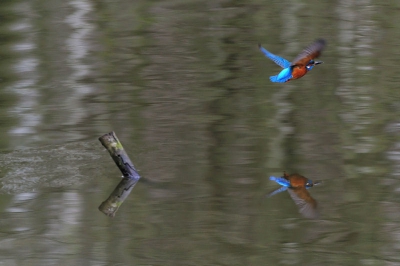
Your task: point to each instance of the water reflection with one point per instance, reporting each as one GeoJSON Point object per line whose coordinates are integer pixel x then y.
{"type": "Point", "coordinates": [184, 87]}
{"type": "Point", "coordinates": [26, 85]}
{"type": "Point", "coordinates": [297, 186]}
{"type": "Point", "coordinates": [78, 47]}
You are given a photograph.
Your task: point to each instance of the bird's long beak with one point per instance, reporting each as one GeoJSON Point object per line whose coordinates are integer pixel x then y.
{"type": "Point", "coordinates": [318, 62]}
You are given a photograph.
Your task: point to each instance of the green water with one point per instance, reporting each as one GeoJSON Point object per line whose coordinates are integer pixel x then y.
{"type": "Point", "coordinates": [186, 90]}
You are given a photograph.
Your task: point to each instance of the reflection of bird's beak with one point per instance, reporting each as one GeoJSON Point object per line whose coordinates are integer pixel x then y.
{"type": "Point", "coordinates": [316, 183]}
{"type": "Point", "coordinates": [318, 62]}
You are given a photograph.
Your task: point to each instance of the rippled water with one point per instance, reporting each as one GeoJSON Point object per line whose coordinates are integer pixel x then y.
{"type": "Point", "coordinates": [186, 90]}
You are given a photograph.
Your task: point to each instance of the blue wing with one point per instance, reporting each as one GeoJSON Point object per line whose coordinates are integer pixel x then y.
{"type": "Point", "coordinates": [276, 191]}
{"type": "Point", "coordinates": [283, 76]}
{"type": "Point", "coordinates": [282, 62]}
{"type": "Point", "coordinates": [280, 180]}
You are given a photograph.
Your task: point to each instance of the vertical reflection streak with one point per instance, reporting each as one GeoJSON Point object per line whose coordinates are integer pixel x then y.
{"type": "Point", "coordinates": [290, 30]}
{"type": "Point", "coordinates": [26, 88]}
{"type": "Point", "coordinates": [357, 91]}
{"type": "Point", "coordinates": [78, 48]}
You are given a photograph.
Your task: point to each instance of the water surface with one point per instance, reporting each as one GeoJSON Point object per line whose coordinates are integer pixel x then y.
{"type": "Point", "coordinates": [186, 90]}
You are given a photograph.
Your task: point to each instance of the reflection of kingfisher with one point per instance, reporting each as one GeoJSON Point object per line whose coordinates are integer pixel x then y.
{"type": "Point", "coordinates": [297, 186]}
{"type": "Point", "coordinates": [303, 63]}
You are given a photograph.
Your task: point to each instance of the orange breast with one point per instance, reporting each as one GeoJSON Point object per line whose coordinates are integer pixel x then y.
{"type": "Point", "coordinates": [297, 180]}
{"type": "Point", "coordinates": [298, 72]}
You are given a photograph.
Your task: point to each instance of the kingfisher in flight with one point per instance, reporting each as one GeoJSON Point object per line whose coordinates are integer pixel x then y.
{"type": "Point", "coordinates": [303, 63]}
{"type": "Point", "coordinates": [297, 186]}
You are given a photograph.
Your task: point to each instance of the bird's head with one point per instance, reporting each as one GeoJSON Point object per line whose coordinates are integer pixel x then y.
{"type": "Point", "coordinates": [312, 63]}
{"type": "Point", "coordinates": [310, 183]}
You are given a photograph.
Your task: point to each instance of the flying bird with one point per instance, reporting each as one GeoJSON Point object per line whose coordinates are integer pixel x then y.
{"type": "Point", "coordinates": [303, 63]}
{"type": "Point", "coordinates": [297, 186]}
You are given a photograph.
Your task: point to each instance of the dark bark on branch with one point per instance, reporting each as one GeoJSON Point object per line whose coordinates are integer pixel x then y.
{"type": "Point", "coordinates": [130, 175]}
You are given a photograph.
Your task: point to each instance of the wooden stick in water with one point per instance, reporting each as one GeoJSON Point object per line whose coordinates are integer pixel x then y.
{"type": "Point", "coordinates": [130, 175]}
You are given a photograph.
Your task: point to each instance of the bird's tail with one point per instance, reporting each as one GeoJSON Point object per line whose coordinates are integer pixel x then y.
{"type": "Point", "coordinates": [282, 77]}
{"type": "Point", "coordinates": [274, 78]}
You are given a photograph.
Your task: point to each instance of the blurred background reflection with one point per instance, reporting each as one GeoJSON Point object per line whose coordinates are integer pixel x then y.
{"type": "Point", "coordinates": [185, 88]}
